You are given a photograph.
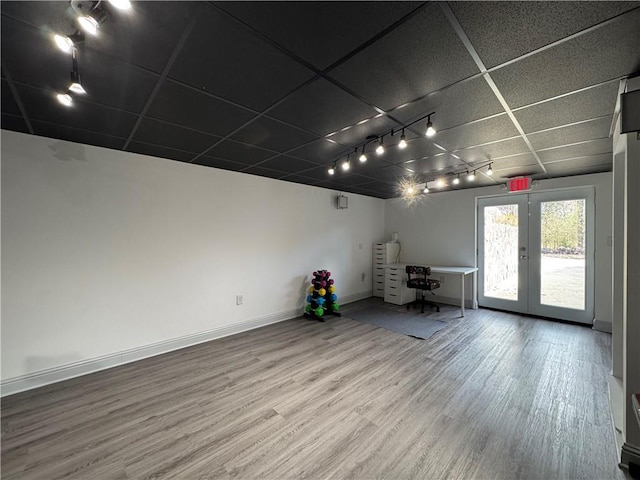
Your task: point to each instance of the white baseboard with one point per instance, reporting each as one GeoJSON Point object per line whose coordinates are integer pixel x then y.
{"type": "Point", "coordinates": [602, 326]}
{"type": "Point", "coordinates": [41, 378]}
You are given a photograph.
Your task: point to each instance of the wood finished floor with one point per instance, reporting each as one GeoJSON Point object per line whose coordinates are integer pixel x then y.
{"type": "Point", "coordinates": [492, 396]}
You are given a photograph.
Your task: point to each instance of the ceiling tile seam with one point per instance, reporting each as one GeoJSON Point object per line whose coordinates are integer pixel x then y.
{"type": "Point", "coordinates": [150, 144]}
{"type": "Point", "coordinates": [81, 130]}
{"type": "Point", "coordinates": [567, 94]}
{"type": "Point", "coordinates": [16, 97]}
{"type": "Point", "coordinates": [584, 142]}
{"type": "Point", "coordinates": [562, 40]}
{"type": "Point", "coordinates": [572, 124]}
{"type": "Point", "coordinates": [474, 54]}
{"type": "Point", "coordinates": [165, 71]}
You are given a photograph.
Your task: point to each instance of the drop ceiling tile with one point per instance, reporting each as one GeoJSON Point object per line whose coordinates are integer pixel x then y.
{"type": "Point", "coordinates": [182, 105]}
{"type": "Point", "coordinates": [240, 152]}
{"type": "Point", "coordinates": [263, 172]}
{"type": "Point", "coordinates": [321, 151]}
{"type": "Point", "coordinates": [273, 135]}
{"type": "Point", "coordinates": [594, 147]}
{"type": "Point", "coordinates": [586, 161]}
{"type": "Point", "coordinates": [160, 152]}
{"type": "Point", "coordinates": [578, 167]}
{"type": "Point", "coordinates": [591, 103]}
{"type": "Point", "coordinates": [516, 161]}
{"type": "Point", "coordinates": [504, 148]}
{"type": "Point", "coordinates": [288, 164]}
{"type": "Point", "coordinates": [14, 122]}
{"type": "Point", "coordinates": [222, 163]}
{"type": "Point", "coordinates": [433, 165]}
{"type": "Point", "coordinates": [460, 103]}
{"type": "Point", "coordinates": [300, 179]}
{"type": "Point", "coordinates": [322, 108]}
{"type": "Point", "coordinates": [389, 173]}
{"type": "Point", "coordinates": [600, 55]}
{"type": "Point", "coordinates": [527, 26]}
{"type": "Point", "coordinates": [227, 60]}
{"type": "Point", "coordinates": [42, 105]}
{"type": "Point", "coordinates": [173, 136]}
{"type": "Point", "coordinates": [350, 179]}
{"type": "Point", "coordinates": [590, 130]}
{"type": "Point", "coordinates": [478, 133]}
{"type": "Point", "coordinates": [9, 104]}
{"type": "Point", "coordinates": [301, 27]}
{"type": "Point", "coordinates": [357, 134]}
{"type": "Point", "coordinates": [77, 135]}
{"type": "Point", "coordinates": [420, 56]}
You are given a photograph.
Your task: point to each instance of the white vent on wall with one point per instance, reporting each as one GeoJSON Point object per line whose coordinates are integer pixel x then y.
{"type": "Point", "coordinates": [342, 202]}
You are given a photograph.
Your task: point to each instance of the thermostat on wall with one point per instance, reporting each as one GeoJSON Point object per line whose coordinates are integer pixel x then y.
{"type": "Point", "coordinates": [342, 202]}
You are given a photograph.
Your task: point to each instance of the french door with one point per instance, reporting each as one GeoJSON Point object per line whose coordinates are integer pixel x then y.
{"type": "Point", "coordinates": [536, 253]}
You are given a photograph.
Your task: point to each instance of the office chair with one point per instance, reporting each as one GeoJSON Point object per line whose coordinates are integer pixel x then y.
{"type": "Point", "coordinates": [417, 278]}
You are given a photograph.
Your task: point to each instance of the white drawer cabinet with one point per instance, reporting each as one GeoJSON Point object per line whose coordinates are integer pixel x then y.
{"type": "Point", "coordinates": [383, 253]}
{"type": "Point", "coordinates": [395, 287]}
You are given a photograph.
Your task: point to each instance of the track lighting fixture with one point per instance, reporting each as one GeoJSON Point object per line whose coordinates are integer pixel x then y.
{"type": "Point", "coordinates": [65, 99]}
{"type": "Point", "coordinates": [363, 156]}
{"type": "Point", "coordinates": [430, 130]}
{"type": "Point", "coordinates": [332, 169]}
{"type": "Point", "coordinates": [471, 176]}
{"type": "Point", "coordinates": [380, 148]}
{"type": "Point", "coordinates": [403, 141]}
{"type": "Point", "coordinates": [346, 165]}
{"type": "Point", "coordinates": [490, 170]}
{"type": "Point", "coordinates": [76, 80]}
{"type": "Point", "coordinates": [426, 190]}
{"type": "Point", "coordinates": [456, 180]}
{"type": "Point", "coordinates": [440, 183]}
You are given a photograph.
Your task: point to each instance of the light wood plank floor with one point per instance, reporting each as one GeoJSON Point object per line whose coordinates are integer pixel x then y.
{"type": "Point", "coordinates": [492, 396]}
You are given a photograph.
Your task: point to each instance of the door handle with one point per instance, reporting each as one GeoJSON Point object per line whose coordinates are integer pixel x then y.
{"type": "Point", "coordinates": [523, 257]}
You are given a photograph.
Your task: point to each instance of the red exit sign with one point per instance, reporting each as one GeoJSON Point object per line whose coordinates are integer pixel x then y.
{"type": "Point", "coordinates": [519, 184]}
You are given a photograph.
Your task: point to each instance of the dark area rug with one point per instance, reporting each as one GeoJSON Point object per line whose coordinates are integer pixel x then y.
{"type": "Point", "coordinates": [415, 325]}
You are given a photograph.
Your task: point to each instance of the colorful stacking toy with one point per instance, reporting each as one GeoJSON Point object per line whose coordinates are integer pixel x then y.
{"type": "Point", "coordinates": [321, 299]}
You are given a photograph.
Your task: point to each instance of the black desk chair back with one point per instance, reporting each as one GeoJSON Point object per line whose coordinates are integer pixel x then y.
{"type": "Point", "coordinates": [417, 277]}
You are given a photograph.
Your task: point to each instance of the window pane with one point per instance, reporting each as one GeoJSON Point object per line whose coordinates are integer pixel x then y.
{"type": "Point", "coordinates": [562, 263]}
{"type": "Point", "coordinates": [501, 252]}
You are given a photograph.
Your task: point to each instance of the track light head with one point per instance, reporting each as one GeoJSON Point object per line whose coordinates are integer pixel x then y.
{"type": "Point", "coordinates": [346, 165]}
{"type": "Point", "coordinates": [331, 170]}
{"type": "Point", "coordinates": [471, 176]}
{"type": "Point", "coordinates": [121, 4]}
{"type": "Point", "coordinates": [363, 156]}
{"type": "Point", "coordinates": [426, 190]}
{"type": "Point", "coordinates": [65, 99]}
{"type": "Point", "coordinates": [440, 183]}
{"type": "Point", "coordinates": [403, 141]}
{"type": "Point", "coordinates": [90, 15]}
{"type": "Point", "coordinates": [380, 148]}
{"type": "Point", "coordinates": [456, 180]}
{"type": "Point", "coordinates": [490, 170]}
{"type": "Point", "coordinates": [68, 43]}
{"type": "Point", "coordinates": [76, 83]}
{"type": "Point", "coordinates": [430, 130]}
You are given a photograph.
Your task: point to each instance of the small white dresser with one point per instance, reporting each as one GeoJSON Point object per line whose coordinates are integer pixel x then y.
{"type": "Point", "coordinates": [395, 286]}
{"type": "Point", "coordinates": [383, 253]}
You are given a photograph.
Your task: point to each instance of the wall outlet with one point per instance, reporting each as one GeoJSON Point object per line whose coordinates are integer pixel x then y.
{"type": "Point", "coordinates": [239, 299]}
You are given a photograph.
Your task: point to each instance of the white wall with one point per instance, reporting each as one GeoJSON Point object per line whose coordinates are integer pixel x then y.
{"type": "Point", "coordinates": [440, 229]}
{"type": "Point", "coordinates": [106, 251]}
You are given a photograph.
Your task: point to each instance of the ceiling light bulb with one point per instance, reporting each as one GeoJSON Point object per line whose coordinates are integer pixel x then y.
{"type": "Point", "coordinates": [380, 150]}
{"type": "Point", "coordinates": [64, 43]}
{"type": "Point", "coordinates": [362, 158]}
{"type": "Point", "coordinates": [76, 83]}
{"type": "Point", "coordinates": [410, 190]}
{"type": "Point", "coordinates": [121, 4]}
{"type": "Point", "coordinates": [430, 130]}
{"type": "Point", "coordinates": [471, 176]}
{"type": "Point", "coordinates": [346, 165]}
{"type": "Point", "coordinates": [456, 180]}
{"type": "Point", "coordinates": [332, 170]}
{"type": "Point", "coordinates": [426, 190]}
{"type": "Point", "coordinates": [440, 183]}
{"type": "Point", "coordinates": [65, 99]}
{"type": "Point", "coordinates": [490, 170]}
{"type": "Point", "coordinates": [403, 143]}
{"type": "Point", "coordinates": [89, 24]}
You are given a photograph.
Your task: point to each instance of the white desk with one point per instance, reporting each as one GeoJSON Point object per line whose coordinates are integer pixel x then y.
{"type": "Point", "coordinates": [461, 271]}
